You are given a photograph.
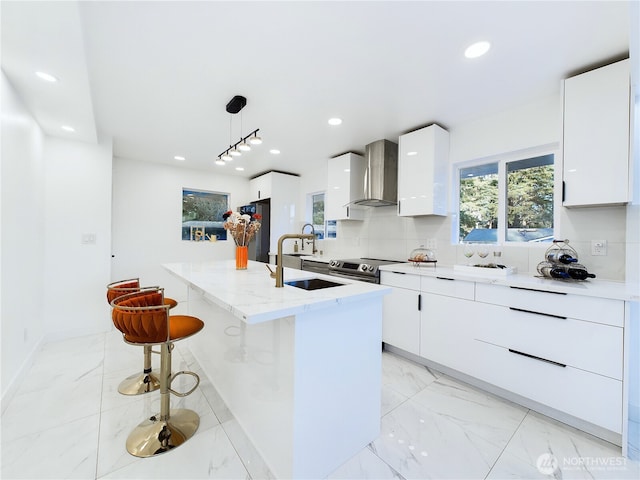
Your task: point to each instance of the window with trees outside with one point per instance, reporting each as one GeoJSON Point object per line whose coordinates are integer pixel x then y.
{"type": "Point", "coordinates": [507, 201]}
{"type": "Point", "coordinates": [202, 215]}
{"type": "Point", "coordinates": [323, 228]}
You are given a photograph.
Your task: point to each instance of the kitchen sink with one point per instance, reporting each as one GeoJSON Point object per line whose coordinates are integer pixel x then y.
{"type": "Point", "coordinates": [313, 284]}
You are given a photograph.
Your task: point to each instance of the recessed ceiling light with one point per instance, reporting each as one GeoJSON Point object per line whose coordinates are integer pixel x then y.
{"type": "Point", "coordinates": [274, 151]}
{"type": "Point", "coordinates": [335, 121]}
{"type": "Point", "coordinates": [240, 169]}
{"type": "Point", "coordinates": [477, 49]}
{"type": "Point", "coordinates": [47, 77]}
{"type": "Point", "coordinates": [178, 157]}
{"type": "Point", "coordinates": [411, 154]}
{"type": "Point", "coordinates": [67, 128]}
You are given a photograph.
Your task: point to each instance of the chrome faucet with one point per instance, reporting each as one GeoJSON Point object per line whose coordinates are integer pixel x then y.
{"type": "Point", "coordinates": [279, 270]}
{"type": "Point", "coordinates": [313, 232]}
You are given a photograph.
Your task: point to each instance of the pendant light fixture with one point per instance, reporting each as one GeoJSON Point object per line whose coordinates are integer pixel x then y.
{"type": "Point", "coordinates": [235, 105]}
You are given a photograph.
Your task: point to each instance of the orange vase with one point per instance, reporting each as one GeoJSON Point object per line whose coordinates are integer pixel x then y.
{"type": "Point", "coordinates": [242, 257]}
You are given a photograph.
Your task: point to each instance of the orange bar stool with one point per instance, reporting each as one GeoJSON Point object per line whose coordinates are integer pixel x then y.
{"type": "Point", "coordinates": [143, 318]}
{"type": "Point", "coordinates": [147, 380]}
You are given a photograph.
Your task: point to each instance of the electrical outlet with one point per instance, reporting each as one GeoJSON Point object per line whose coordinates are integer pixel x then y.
{"type": "Point", "coordinates": [598, 247]}
{"type": "Point", "coordinates": [88, 239]}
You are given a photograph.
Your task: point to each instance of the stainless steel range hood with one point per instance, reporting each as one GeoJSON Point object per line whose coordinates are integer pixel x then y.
{"type": "Point", "coordinates": [381, 175]}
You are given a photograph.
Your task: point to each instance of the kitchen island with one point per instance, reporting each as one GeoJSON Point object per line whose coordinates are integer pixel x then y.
{"type": "Point", "coordinates": [300, 370]}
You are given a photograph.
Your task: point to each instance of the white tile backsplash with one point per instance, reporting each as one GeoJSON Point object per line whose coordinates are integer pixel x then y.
{"type": "Point", "coordinates": [382, 234]}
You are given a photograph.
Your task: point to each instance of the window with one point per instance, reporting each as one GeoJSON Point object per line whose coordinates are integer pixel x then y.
{"type": "Point", "coordinates": [202, 214]}
{"type": "Point", "coordinates": [507, 200]}
{"type": "Point", "coordinates": [323, 228]}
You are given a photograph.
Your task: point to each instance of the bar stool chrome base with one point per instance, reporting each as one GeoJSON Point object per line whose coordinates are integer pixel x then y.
{"type": "Point", "coordinates": [140, 383]}
{"type": "Point", "coordinates": [154, 436]}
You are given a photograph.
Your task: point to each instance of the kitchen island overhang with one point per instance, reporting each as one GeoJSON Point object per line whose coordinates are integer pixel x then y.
{"type": "Point", "coordinates": [299, 370]}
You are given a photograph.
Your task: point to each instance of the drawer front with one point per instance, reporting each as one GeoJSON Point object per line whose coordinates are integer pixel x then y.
{"type": "Point", "coordinates": [592, 309]}
{"type": "Point", "coordinates": [585, 395]}
{"type": "Point", "coordinates": [589, 346]}
{"type": "Point", "coordinates": [401, 280]}
{"type": "Point", "coordinates": [448, 287]}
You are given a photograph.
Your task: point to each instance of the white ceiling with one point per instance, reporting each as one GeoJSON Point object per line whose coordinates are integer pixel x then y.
{"type": "Point", "coordinates": [156, 76]}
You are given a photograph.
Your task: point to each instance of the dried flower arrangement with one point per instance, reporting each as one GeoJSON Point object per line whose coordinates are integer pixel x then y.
{"type": "Point", "coordinates": [242, 227]}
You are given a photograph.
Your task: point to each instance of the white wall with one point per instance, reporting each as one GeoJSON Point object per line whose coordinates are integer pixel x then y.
{"type": "Point", "coordinates": [78, 203]}
{"type": "Point", "coordinates": [53, 191]}
{"type": "Point", "coordinates": [22, 240]}
{"type": "Point", "coordinates": [147, 219]}
{"type": "Point", "coordinates": [385, 235]}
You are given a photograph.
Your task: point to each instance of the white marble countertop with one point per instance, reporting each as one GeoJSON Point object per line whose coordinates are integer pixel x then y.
{"type": "Point", "coordinates": [592, 287]}
{"type": "Point", "coordinates": [251, 294]}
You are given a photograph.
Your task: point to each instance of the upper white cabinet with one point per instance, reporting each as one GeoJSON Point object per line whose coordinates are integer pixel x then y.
{"type": "Point", "coordinates": [345, 184]}
{"type": "Point", "coordinates": [261, 187]}
{"type": "Point", "coordinates": [596, 137]}
{"type": "Point", "coordinates": [423, 163]}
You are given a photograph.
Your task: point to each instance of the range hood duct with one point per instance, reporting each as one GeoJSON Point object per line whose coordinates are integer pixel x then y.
{"type": "Point", "coordinates": [381, 175]}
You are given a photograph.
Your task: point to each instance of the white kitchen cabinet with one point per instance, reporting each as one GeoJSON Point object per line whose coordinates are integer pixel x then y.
{"type": "Point", "coordinates": [596, 137]}
{"type": "Point", "coordinates": [344, 185]}
{"type": "Point", "coordinates": [282, 191]}
{"type": "Point", "coordinates": [423, 165]}
{"type": "Point", "coordinates": [559, 353]}
{"type": "Point", "coordinates": [261, 187]}
{"type": "Point", "coordinates": [568, 347]}
{"type": "Point", "coordinates": [401, 311]}
{"type": "Point", "coordinates": [446, 331]}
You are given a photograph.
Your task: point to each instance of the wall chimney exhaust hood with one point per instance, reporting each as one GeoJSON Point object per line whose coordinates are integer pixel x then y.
{"type": "Point", "coordinates": [381, 175]}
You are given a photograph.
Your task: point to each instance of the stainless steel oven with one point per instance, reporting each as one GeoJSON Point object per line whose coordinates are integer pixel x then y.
{"type": "Point", "coordinates": [361, 269]}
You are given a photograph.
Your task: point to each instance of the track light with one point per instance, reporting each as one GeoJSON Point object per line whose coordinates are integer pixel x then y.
{"type": "Point", "coordinates": [241, 145]}
{"type": "Point", "coordinates": [235, 105]}
{"type": "Point", "coordinates": [244, 146]}
{"type": "Point", "coordinates": [255, 139]}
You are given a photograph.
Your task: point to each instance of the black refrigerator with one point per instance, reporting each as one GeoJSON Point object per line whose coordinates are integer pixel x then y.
{"type": "Point", "coordinates": [259, 247]}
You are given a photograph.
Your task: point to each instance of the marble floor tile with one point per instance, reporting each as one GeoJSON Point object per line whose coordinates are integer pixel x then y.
{"type": "Point", "coordinates": [67, 420]}
{"type": "Point", "coordinates": [479, 414]}
{"type": "Point", "coordinates": [404, 376]}
{"type": "Point", "coordinates": [420, 444]}
{"type": "Point", "coordinates": [363, 466]}
{"type": "Point", "coordinates": [209, 454]}
{"type": "Point", "coordinates": [554, 449]}
{"type": "Point", "coordinates": [62, 403]}
{"type": "Point", "coordinates": [57, 363]}
{"type": "Point", "coordinates": [66, 451]}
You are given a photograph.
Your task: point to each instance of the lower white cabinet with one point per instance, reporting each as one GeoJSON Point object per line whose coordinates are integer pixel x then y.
{"type": "Point", "coordinates": [562, 351]}
{"type": "Point", "coordinates": [594, 398]}
{"type": "Point", "coordinates": [446, 331]}
{"type": "Point", "coordinates": [401, 311]}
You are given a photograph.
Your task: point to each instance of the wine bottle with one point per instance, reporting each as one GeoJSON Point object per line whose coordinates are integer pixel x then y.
{"type": "Point", "coordinates": [552, 270]}
{"type": "Point", "coordinates": [579, 272]}
{"type": "Point", "coordinates": [561, 256]}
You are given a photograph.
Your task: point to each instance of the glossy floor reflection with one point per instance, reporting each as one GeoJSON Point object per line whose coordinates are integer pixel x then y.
{"type": "Point", "coordinates": [68, 420]}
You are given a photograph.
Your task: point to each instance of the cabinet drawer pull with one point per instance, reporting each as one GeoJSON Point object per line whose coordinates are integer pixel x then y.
{"type": "Point", "coordinates": [445, 278]}
{"type": "Point", "coordinates": [538, 313]}
{"type": "Point", "coordinates": [400, 273]}
{"type": "Point", "coordinates": [536, 290]}
{"type": "Point", "coordinates": [528, 355]}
